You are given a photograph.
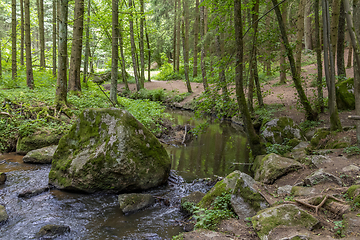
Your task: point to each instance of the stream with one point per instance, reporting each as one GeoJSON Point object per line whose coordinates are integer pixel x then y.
{"type": "Point", "coordinates": [97, 216]}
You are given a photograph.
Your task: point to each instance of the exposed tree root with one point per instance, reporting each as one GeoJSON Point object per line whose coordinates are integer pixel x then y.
{"type": "Point", "coordinates": [336, 208]}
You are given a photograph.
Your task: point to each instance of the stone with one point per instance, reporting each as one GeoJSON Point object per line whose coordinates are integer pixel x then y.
{"type": "Point", "coordinates": [345, 98]}
{"type": "Point", "coordinates": [108, 149]}
{"type": "Point", "coordinates": [351, 168]}
{"type": "Point", "coordinates": [3, 178]}
{"type": "Point", "coordinates": [52, 231]}
{"type": "Point", "coordinates": [36, 141]}
{"type": "Point", "coordinates": [319, 135]}
{"type": "Point", "coordinates": [320, 176]}
{"type": "Point", "coordinates": [298, 191]}
{"type": "Point", "coordinates": [284, 190]}
{"type": "Point", "coordinates": [276, 130]}
{"type": "Point", "coordinates": [282, 215]}
{"type": "Point", "coordinates": [43, 155]}
{"type": "Point", "coordinates": [351, 223]}
{"type": "Point", "coordinates": [301, 145]}
{"type": "Point", "coordinates": [188, 202]}
{"type": "Point", "coordinates": [32, 193]}
{"type": "Point", "coordinates": [354, 194]}
{"type": "Point", "coordinates": [135, 201]}
{"type": "Point", "coordinates": [3, 214]}
{"type": "Point", "coordinates": [272, 167]}
{"type": "Point", "coordinates": [204, 234]}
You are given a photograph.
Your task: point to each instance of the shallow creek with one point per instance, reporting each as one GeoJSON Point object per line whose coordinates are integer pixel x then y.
{"type": "Point", "coordinates": [97, 216]}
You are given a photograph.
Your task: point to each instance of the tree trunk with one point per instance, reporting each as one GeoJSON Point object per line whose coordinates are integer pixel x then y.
{"type": "Point", "coordinates": [335, 123]}
{"type": "Point", "coordinates": [299, 35]}
{"type": "Point", "coordinates": [114, 51]}
{"type": "Point", "coordinates": [318, 58]}
{"type": "Point", "coordinates": [76, 49]}
{"type": "Point", "coordinates": [22, 33]}
{"type": "Point", "coordinates": [196, 38]}
{"type": "Point", "coordinates": [222, 77]}
{"type": "Point", "coordinates": [40, 5]}
{"type": "Point", "coordinates": [282, 48]}
{"type": "Point", "coordinates": [335, 12]}
{"type": "Point", "coordinates": [203, 54]}
{"type": "Point", "coordinates": [141, 44]}
{"type": "Point", "coordinates": [54, 38]}
{"type": "Point", "coordinates": [310, 114]}
{"type": "Point", "coordinates": [185, 38]}
{"type": "Point", "coordinates": [61, 83]}
{"type": "Point", "coordinates": [149, 53]}
{"type": "Point", "coordinates": [257, 82]}
{"type": "Point", "coordinates": [133, 47]}
{"type": "Point", "coordinates": [341, 43]}
{"type": "Point", "coordinates": [178, 37]}
{"type": "Point", "coordinates": [0, 61]}
{"type": "Point", "coordinates": [87, 44]}
{"type": "Point", "coordinates": [349, 57]}
{"type": "Point", "coordinates": [253, 138]}
{"type": "Point", "coordinates": [307, 26]}
{"type": "Point", "coordinates": [13, 38]}
{"type": "Point", "coordinates": [29, 71]}
{"type": "Point", "coordinates": [175, 35]}
{"type": "Point", "coordinates": [123, 65]}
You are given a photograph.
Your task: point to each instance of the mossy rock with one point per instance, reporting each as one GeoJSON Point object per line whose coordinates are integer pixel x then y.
{"type": "Point", "coordinates": [283, 215]}
{"type": "Point", "coordinates": [3, 214]}
{"type": "Point", "coordinates": [354, 193]}
{"type": "Point", "coordinates": [279, 129]}
{"type": "Point", "coordinates": [36, 141]}
{"type": "Point", "coordinates": [135, 201]}
{"type": "Point", "coordinates": [43, 155]}
{"type": "Point", "coordinates": [2, 178]}
{"type": "Point", "coordinates": [345, 98]}
{"type": "Point", "coordinates": [319, 135]}
{"type": "Point", "coordinates": [188, 202]}
{"type": "Point", "coordinates": [52, 231]}
{"type": "Point", "coordinates": [108, 149]}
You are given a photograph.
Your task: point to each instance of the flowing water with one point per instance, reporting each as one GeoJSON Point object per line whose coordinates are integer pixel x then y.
{"type": "Point", "coordinates": [97, 216]}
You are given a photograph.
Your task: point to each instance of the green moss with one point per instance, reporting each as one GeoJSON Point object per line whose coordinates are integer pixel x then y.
{"type": "Point", "coordinates": [319, 135]}
{"type": "Point", "coordinates": [345, 98]}
{"type": "Point", "coordinates": [251, 197]}
{"type": "Point", "coordinates": [352, 190]}
{"type": "Point", "coordinates": [216, 191]}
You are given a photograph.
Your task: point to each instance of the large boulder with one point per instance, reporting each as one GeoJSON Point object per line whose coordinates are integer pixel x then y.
{"type": "Point", "coordinates": [108, 149]}
{"type": "Point", "coordinates": [345, 98]}
{"type": "Point", "coordinates": [36, 141]}
{"type": "Point", "coordinates": [280, 129]}
{"type": "Point", "coordinates": [43, 155]}
{"type": "Point", "coordinates": [283, 215]}
{"type": "Point", "coordinates": [135, 201]}
{"type": "Point", "coordinates": [271, 167]}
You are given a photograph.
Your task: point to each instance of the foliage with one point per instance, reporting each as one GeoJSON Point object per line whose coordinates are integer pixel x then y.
{"type": "Point", "coordinates": [167, 71]}
{"type": "Point", "coordinates": [339, 227]}
{"type": "Point", "coordinates": [279, 149]}
{"type": "Point", "coordinates": [307, 125]}
{"type": "Point", "coordinates": [352, 150]}
{"type": "Point", "coordinates": [220, 209]}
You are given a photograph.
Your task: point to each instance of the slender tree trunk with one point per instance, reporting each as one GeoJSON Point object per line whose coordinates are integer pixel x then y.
{"type": "Point", "coordinates": [61, 83]}
{"type": "Point", "coordinates": [253, 138]}
{"type": "Point", "coordinates": [203, 54]}
{"type": "Point", "coordinates": [282, 48]}
{"type": "Point", "coordinates": [0, 61]}
{"type": "Point", "coordinates": [185, 37]}
{"type": "Point", "coordinates": [196, 38]}
{"type": "Point", "coordinates": [341, 42]}
{"type": "Point", "coordinates": [87, 44]}
{"type": "Point", "coordinates": [22, 33]}
{"type": "Point", "coordinates": [175, 36]}
{"type": "Point", "coordinates": [307, 25]}
{"type": "Point", "coordinates": [349, 57]}
{"type": "Point", "coordinates": [318, 58]}
{"type": "Point", "coordinates": [13, 38]}
{"type": "Point", "coordinates": [335, 12]}
{"type": "Point", "coordinates": [133, 47]}
{"type": "Point", "coordinates": [141, 44]}
{"type": "Point", "coordinates": [222, 77]}
{"type": "Point", "coordinates": [335, 123]}
{"type": "Point", "coordinates": [54, 37]}
{"type": "Point", "coordinates": [178, 37]}
{"type": "Point", "coordinates": [29, 72]}
{"type": "Point", "coordinates": [76, 49]}
{"type": "Point", "coordinates": [299, 35]}
{"type": "Point", "coordinates": [149, 52]}
{"type": "Point", "coordinates": [257, 81]}
{"type": "Point", "coordinates": [123, 66]}
{"type": "Point", "coordinates": [114, 50]}
{"type": "Point", "coordinates": [310, 114]}
{"type": "Point", "coordinates": [40, 5]}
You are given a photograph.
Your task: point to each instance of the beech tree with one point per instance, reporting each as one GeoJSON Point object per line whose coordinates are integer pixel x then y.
{"type": "Point", "coordinates": [29, 70]}
{"type": "Point", "coordinates": [13, 40]}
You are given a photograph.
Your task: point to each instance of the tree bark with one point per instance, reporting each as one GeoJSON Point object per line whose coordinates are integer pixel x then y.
{"type": "Point", "coordinates": [310, 114]}
{"type": "Point", "coordinates": [114, 51]}
{"type": "Point", "coordinates": [13, 38]}
{"type": "Point", "coordinates": [76, 49]}
{"type": "Point", "coordinates": [149, 52]}
{"type": "Point", "coordinates": [196, 38]}
{"type": "Point", "coordinates": [282, 48]}
{"type": "Point", "coordinates": [203, 53]}
{"type": "Point", "coordinates": [133, 47]}
{"type": "Point", "coordinates": [178, 37]}
{"type": "Point", "coordinates": [175, 35]}
{"type": "Point", "coordinates": [22, 33]}
{"type": "Point", "coordinates": [349, 61]}
{"type": "Point", "coordinates": [87, 44]}
{"type": "Point", "coordinates": [307, 26]}
{"type": "Point", "coordinates": [54, 38]}
{"type": "Point", "coordinates": [0, 60]}
{"type": "Point", "coordinates": [40, 5]}
{"type": "Point", "coordinates": [253, 138]}
{"type": "Point", "coordinates": [335, 12]}
{"type": "Point", "coordinates": [29, 71]}
{"type": "Point", "coordinates": [185, 38]}
{"type": "Point", "coordinates": [318, 58]}
{"type": "Point", "coordinates": [341, 43]}
{"type": "Point", "coordinates": [299, 35]}
{"type": "Point", "coordinates": [141, 44]}
{"type": "Point", "coordinates": [61, 83]}
{"type": "Point", "coordinates": [123, 66]}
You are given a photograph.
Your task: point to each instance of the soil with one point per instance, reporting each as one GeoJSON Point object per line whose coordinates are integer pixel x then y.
{"type": "Point", "coordinates": [285, 97]}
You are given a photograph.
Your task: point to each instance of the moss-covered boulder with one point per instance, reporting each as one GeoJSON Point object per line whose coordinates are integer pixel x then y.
{"type": "Point", "coordinates": [320, 176]}
{"type": "Point", "coordinates": [271, 167]}
{"type": "Point", "coordinates": [351, 223]}
{"type": "Point", "coordinates": [280, 129]}
{"type": "Point", "coordinates": [2, 178]}
{"type": "Point", "coordinates": [43, 155]}
{"type": "Point", "coordinates": [282, 215]}
{"type": "Point", "coordinates": [245, 199]}
{"type": "Point", "coordinates": [108, 149]}
{"type": "Point", "coordinates": [354, 193]}
{"type": "Point", "coordinates": [3, 214]}
{"type": "Point", "coordinates": [36, 141]}
{"type": "Point", "coordinates": [188, 202]}
{"type": "Point", "coordinates": [345, 98]}
{"type": "Point", "coordinates": [135, 201]}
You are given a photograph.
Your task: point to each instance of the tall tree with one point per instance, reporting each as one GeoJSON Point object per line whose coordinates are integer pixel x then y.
{"type": "Point", "coordinates": [340, 61]}
{"type": "Point", "coordinates": [40, 8]}
{"type": "Point", "coordinates": [203, 53]}
{"type": "Point", "coordinates": [310, 114]}
{"type": "Point", "coordinates": [133, 47]}
{"type": "Point", "coordinates": [54, 34]}
{"type": "Point", "coordinates": [0, 60]}
{"type": "Point", "coordinates": [307, 25]}
{"type": "Point", "coordinates": [61, 83]}
{"type": "Point", "coordinates": [29, 71]}
{"type": "Point", "coordinates": [149, 52]}
{"type": "Point", "coordinates": [335, 12]}
{"type": "Point", "coordinates": [196, 38]}
{"type": "Point", "coordinates": [175, 35]}
{"type": "Point", "coordinates": [87, 43]}
{"type": "Point", "coordinates": [299, 35]}
{"type": "Point", "coordinates": [282, 48]}
{"type": "Point", "coordinates": [22, 43]}
{"type": "Point", "coordinates": [123, 65]}
{"type": "Point", "coordinates": [76, 48]}
{"type": "Point", "coordinates": [141, 44]}
{"type": "Point", "coordinates": [335, 123]}
{"type": "Point", "coordinates": [13, 38]}
{"type": "Point", "coordinates": [178, 35]}
{"type": "Point", "coordinates": [185, 38]}
{"type": "Point", "coordinates": [253, 138]}
{"type": "Point", "coordinates": [114, 50]}
{"type": "Point", "coordinates": [319, 81]}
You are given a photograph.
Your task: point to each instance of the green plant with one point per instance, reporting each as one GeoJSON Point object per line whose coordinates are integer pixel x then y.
{"type": "Point", "coordinates": [339, 228]}
{"type": "Point", "coordinates": [352, 150]}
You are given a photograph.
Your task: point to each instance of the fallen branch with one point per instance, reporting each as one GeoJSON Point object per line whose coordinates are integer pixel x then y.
{"type": "Point", "coordinates": [5, 113]}
{"type": "Point", "coordinates": [321, 204]}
